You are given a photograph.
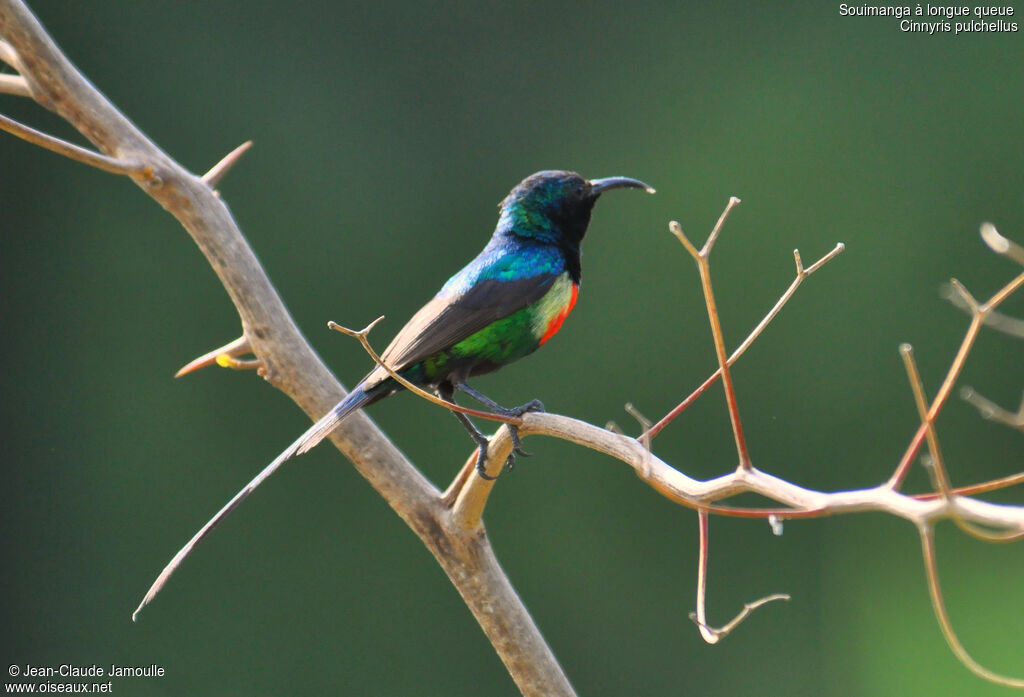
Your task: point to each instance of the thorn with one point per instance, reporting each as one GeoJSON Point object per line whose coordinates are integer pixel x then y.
{"type": "Point", "coordinates": [226, 361]}
{"type": "Point", "coordinates": [217, 172]}
{"type": "Point", "coordinates": [224, 357]}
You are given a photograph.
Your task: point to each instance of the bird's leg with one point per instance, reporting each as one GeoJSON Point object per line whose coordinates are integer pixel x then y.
{"type": "Point", "coordinates": [532, 405]}
{"type": "Point", "coordinates": [447, 392]}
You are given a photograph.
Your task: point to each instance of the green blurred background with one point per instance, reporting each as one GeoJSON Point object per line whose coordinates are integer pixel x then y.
{"type": "Point", "coordinates": [385, 134]}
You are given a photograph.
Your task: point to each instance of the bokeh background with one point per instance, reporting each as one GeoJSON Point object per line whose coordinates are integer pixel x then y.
{"type": "Point", "coordinates": [385, 135]}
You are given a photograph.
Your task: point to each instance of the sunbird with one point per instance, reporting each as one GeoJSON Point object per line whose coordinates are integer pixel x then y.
{"type": "Point", "coordinates": [503, 305]}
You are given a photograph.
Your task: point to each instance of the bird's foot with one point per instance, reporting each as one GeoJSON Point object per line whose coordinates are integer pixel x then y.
{"type": "Point", "coordinates": [532, 405]}
{"type": "Point", "coordinates": [510, 462]}
{"type": "Point", "coordinates": [481, 440]}
{"type": "Point", "coordinates": [517, 444]}
{"type": "Point", "coordinates": [517, 447]}
{"type": "Point", "coordinates": [481, 460]}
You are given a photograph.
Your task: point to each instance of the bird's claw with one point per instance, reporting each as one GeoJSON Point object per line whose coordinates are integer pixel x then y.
{"type": "Point", "coordinates": [517, 447]}
{"type": "Point", "coordinates": [532, 405]}
{"type": "Point", "coordinates": [510, 462]}
{"type": "Point", "coordinates": [481, 462]}
{"type": "Point", "coordinates": [517, 444]}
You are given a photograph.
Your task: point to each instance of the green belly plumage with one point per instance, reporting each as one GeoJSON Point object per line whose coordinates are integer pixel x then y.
{"type": "Point", "coordinates": [507, 339]}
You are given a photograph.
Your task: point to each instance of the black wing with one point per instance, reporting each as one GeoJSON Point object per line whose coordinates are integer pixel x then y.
{"type": "Point", "coordinates": [448, 319]}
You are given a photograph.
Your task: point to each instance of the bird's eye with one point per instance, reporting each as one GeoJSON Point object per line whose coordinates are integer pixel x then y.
{"type": "Point", "coordinates": [579, 190]}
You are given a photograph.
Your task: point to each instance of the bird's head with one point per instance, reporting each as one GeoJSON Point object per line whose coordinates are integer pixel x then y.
{"type": "Point", "coordinates": [554, 206]}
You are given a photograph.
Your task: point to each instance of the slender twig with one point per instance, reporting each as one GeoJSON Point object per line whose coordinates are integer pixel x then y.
{"type": "Point", "coordinates": [70, 150]}
{"type": "Point", "coordinates": [921, 402]}
{"type": "Point", "coordinates": [980, 488]}
{"type": "Point", "coordinates": [937, 467]}
{"type": "Point", "coordinates": [471, 499]}
{"type": "Point", "coordinates": [992, 411]}
{"type": "Point", "coordinates": [362, 336]}
{"type": "Point", "coordinates": [801, 274]}
{"type": "Point", "coordinates": [713, 635]}
{"type": "Point", "coordinates": [939, 606]}
{"type": "Point", "coordinates": [704, 268]}
{"type": "Point", "coordinates": [978, 313]}
{"type": "Point", "coordinates": [993, 320]}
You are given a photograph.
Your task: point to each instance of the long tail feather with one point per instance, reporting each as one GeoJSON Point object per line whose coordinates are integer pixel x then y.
{"type": "Point", "coordinates": [316, 433]}
{"type": "Point", "coordinates": [356, 399]}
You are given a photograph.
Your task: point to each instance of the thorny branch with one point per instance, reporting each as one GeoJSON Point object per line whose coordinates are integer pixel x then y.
{"type": "Point", "coordinates": [450, 524]}
{"type": "Point", "coordinates": [286, 359]}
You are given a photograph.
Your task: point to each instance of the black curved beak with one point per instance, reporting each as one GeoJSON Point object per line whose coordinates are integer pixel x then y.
{"type": "Point", "coordinates": [599, 185]}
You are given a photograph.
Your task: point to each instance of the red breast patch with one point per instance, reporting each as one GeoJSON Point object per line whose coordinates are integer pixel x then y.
{"type": "Point", "coordinates": [556, 322]}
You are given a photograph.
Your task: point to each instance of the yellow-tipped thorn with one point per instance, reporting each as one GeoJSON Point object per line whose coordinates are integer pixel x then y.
{"type": "Point", "coordinates": [226, 361]}
{"type": "Point", "coordinates": [223, 356]}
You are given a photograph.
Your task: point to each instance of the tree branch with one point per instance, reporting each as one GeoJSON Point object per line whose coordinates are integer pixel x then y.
{"type": "Point", "coordinates": [289, 362]}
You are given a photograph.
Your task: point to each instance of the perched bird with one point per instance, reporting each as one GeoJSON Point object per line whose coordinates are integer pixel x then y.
{"type": "Point", "coordinates": [503, 305]}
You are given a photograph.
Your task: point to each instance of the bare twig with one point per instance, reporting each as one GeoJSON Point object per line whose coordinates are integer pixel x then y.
{"type": "Point", "coordinates": [978, 313]}
{"type": "Point", "coordinates": [937, 467]}
{"type": "Point", "coordinates": [935, 591]}
{"type": "Point", "coordinates": [704, 268]}
{"type": "Point", "coordinates": [1011, 250]}
{"type": "Point", "coordinates": [70, 150]}
{"type": "Point", "coordinates": [801, 274]}
{"type": "Point", "coordinates": [362, 335]}
{"type": "Point", "coordinates": [980, 488]}
{"type": "Point", "coordinates": [917, 388]}
{"type": "Point", "coordinates": [992, 411]}
{"type": "Point", "coordinates": [713, 635]}
{"type": "Point", "coordinates": [994, 320]}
